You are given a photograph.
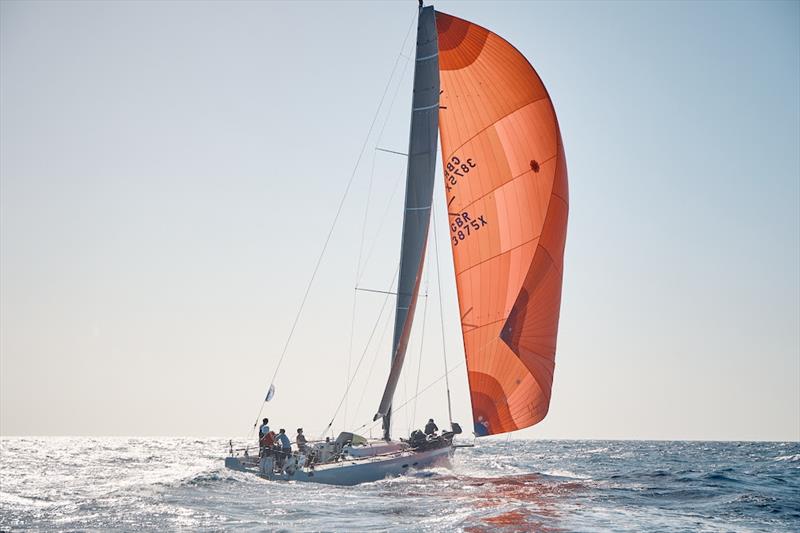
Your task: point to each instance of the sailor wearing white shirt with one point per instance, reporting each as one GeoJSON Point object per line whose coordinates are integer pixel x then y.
{"type": "Point", "coordinates": [264, 429]}
{"type": "Point", "coordinates": [262, 432]}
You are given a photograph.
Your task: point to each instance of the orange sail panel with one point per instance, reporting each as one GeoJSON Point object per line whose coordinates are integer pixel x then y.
{"type": "Point", "coordinates": [506, 191]}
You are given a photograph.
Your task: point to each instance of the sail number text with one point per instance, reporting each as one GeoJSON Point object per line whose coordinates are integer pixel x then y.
{"type": "Point", "coordinates": [464, 225]}
{"type": "Point", "coordinates": [454, 169]}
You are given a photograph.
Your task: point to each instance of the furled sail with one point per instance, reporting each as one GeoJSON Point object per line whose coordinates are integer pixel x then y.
{"type": "Point", "coordinates": [419, 194]}
{"type": "Point", "coordinates": [506, 191]}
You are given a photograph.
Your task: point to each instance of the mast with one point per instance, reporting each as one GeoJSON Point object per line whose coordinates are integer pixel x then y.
{"type": "Point", "coordinates": [422, 147]}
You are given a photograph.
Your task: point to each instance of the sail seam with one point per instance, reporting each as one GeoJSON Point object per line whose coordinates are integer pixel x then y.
{"type": "Point", "coordinates": [498, 255]}
{"type": "Point", "coordinates": [462, 145]}
{"type": "Point", "coordinates": [475, 200]}
{"type": "Point", "coordinates": [549, 365]}
{"type": "Point", "coordinates": [476, 326]}
{"type": "Point", "coordinates": [515, 351]}
{"type": "Point", "coordinates": [547, 256]}
{"type": "Point", "coordinates": [552, 261]}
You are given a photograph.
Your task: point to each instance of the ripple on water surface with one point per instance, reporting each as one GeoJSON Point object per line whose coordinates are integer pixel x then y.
{"type": "Point", "coordinates": [169, 483]}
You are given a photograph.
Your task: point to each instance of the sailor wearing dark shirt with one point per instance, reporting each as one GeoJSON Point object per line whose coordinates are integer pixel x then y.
{"type": "Point", "coordinates": [430, 427]}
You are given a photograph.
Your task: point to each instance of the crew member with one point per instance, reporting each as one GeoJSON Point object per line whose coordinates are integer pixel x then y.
{"type": "Point", "coordinates": [430, 428]}
{"type": "Point", "coordinates": [300, 440]}
{"type": "Point", "coordinates": [262, 433]}
{"type": "Point", "coordinates": [285, 444]}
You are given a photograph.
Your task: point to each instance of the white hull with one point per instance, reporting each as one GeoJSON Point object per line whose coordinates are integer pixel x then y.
{"type": "Point", "coordinates": [351, 471]}
{"type": "Point", "coordinates": [375, 447]}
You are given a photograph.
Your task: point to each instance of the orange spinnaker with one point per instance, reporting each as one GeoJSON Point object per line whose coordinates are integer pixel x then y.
{"type": "Point", "coordinates": [506, 190]}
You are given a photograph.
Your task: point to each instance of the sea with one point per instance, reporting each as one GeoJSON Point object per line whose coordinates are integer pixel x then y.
{"type": "Point", "coordinates": [180, 484]}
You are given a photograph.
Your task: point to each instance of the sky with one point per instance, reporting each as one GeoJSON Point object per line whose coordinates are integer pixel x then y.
{"type": "Point", "coordinates": [169, 172]}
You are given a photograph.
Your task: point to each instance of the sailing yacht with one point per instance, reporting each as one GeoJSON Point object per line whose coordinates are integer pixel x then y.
{"type": "Point", "coordinates": [505, 182]}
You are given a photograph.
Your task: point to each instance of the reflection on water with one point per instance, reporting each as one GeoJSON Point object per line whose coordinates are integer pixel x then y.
{"type": "Point", "coordinates": [167, 484]}
{"type": "Point", "coordinates": [520, 502]}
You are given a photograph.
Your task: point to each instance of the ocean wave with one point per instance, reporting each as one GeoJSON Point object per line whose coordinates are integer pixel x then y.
{"type": "Point", "coordinates": [596, 450]}
{"type": "Point", "coordinates": [17, 500]}
{"type": "Point", "coordinates": [718, 476]}
{"type": "Point", "coordinates": [214, 477]}
{"type": "Point", "coordinates": [142, 484]}
{"type": "Point", "coordinates": [566, 474]}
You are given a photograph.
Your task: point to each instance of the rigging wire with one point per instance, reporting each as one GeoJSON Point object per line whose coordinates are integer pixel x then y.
{"type": "Point", "coordinates": [350, 350]}
{"type": "Point", "coordinates": [384, 217]}
{"type": "Point", "coordinates": [405, 397]}
{"type": "Point", "coordinates": [421, 341]}
{"type": "Point", "coordinates": [374, 360]}
{"type": "Point", "coordinates": [355, 290]}
{"type": "Point", "coordinates": [391, 106]}
{"type": "Point", "coordinates": [359, 270]}
{"type": "Point", "coordinates": [441, 320]}
{"type": "Point", "coordinates": [335, 219]}
{"type": "Point", "coordinates": [373, 423]}
{"type": "Point", "coordinates": [366, 349]}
